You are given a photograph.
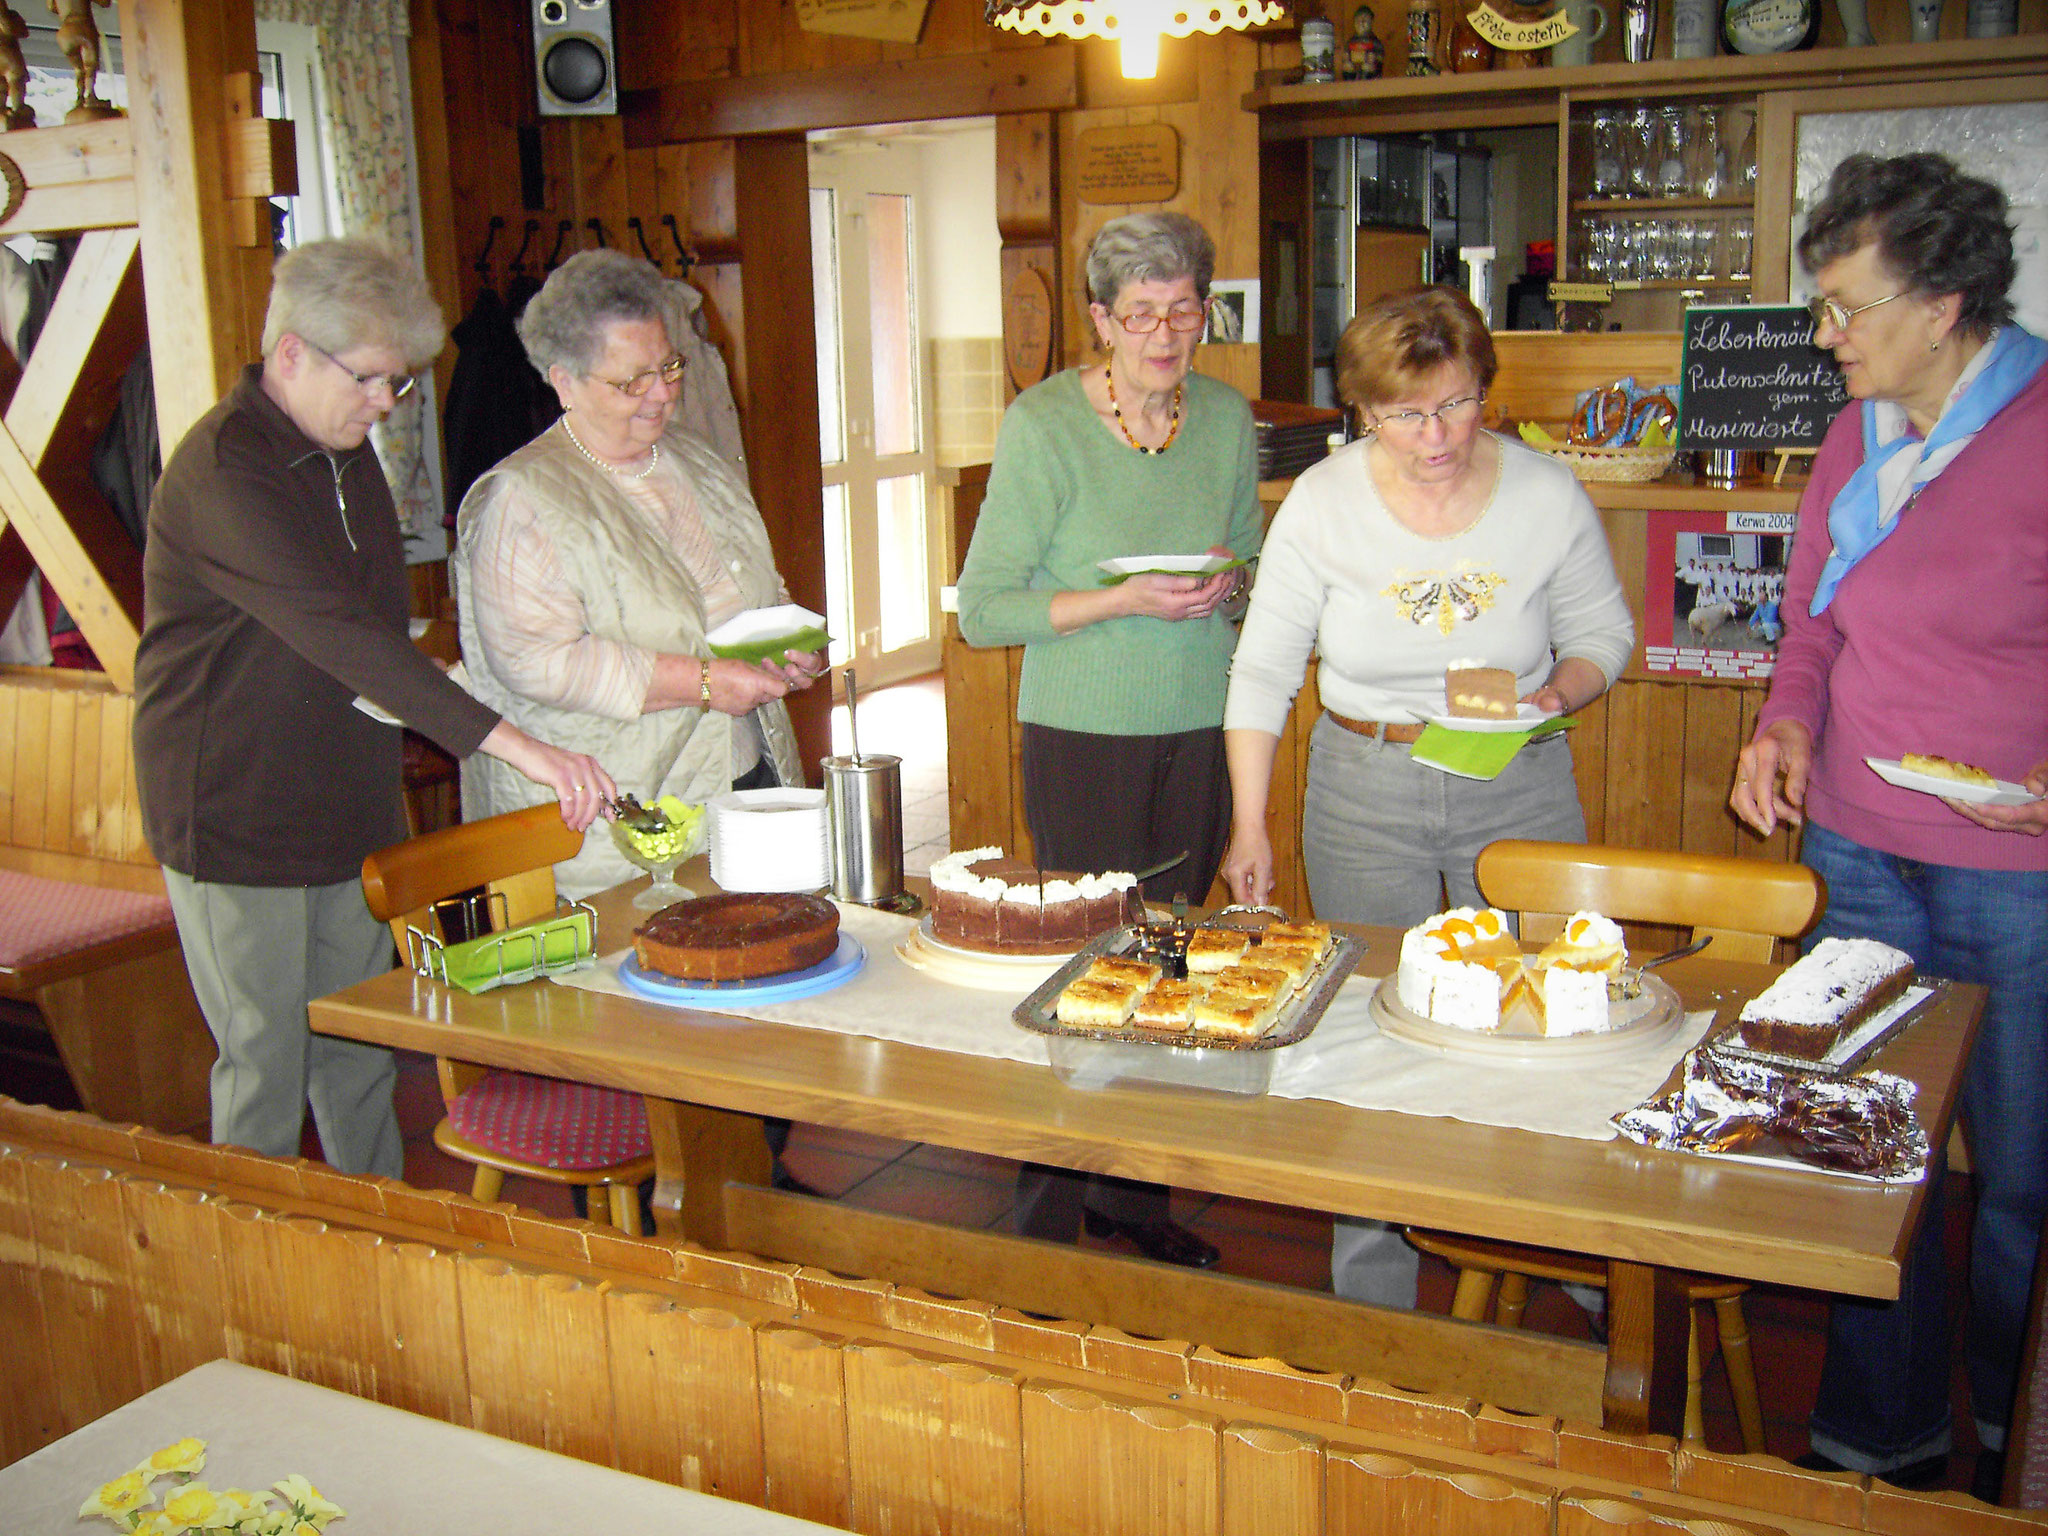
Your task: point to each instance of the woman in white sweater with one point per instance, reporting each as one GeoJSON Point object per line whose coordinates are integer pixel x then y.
{"type": "Point", "coordinates": [1429, 543]}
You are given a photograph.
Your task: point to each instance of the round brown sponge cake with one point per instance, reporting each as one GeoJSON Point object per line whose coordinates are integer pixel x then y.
{"type": "Point", "coordinates": [737, 936]}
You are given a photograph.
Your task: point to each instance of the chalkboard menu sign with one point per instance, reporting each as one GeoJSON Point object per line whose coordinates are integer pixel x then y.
{"type": "Point", "coordinates": [1751, 377]}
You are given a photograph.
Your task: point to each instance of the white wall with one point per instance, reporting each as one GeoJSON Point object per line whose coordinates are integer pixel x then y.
{"type": "Point", "coordinates": [962, 250]}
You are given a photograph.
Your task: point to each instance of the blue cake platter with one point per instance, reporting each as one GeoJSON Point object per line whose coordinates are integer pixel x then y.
{"type": "Point", "coordinates": [836, 969]}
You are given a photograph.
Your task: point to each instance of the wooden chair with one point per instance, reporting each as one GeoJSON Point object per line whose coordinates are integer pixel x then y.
{"type": "Point", "coordinates": [1745, 906]}
{"type": "Point", "coordinates": [514, 1122]}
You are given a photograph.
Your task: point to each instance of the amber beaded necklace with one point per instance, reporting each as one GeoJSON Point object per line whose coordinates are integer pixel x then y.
{"type": "Point", "coordinates": [1172, 432]}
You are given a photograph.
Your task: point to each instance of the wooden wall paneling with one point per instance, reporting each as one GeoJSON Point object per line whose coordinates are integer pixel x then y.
{"type": "Point", "coordinates": [1541, 371]}
{"type": "Point", "coordinates": [91, 1305]}
{"type": "Point", "coordinates": [934, 1444]}
{"type": "Point", "coordinates": [253, 1321]}
{"type": "Point", "coordinates": [419, 1311]}
{"type": "Point", "coordinates": [536, 1348]}
{"type": "Point", "coordinates": [1272, 1482]}
{"type": "Point", "coordinates": [1585, 1513]}
{"type": "Point", "coordinates": [597, 183]}
{"type": "Point", "coordinates": [772, 207]}
{"type": "Point", "coordinates": [110, 828]}
{"type": "Point", "coordinates": [953, 26]}
{"type": "Point", "coordinates": [1217, 137]}
{"type": "Point", "coordinates": [84, 773]}
{"type": "Point", "coordinates": [1645, 757]}
{"type": "Point", "coordinates": [672, 42]}
{"type": "Point", "coordinates": [690, 1372]}
{"type": "Point", "coordinates": [803, 1426]}
{"type": "Point", "coordinates": [441, 235]}
{"type": "Point", "coordinates": [55, 832]}
{"type": "Point", "coordinates": [31, 1414]}
{"type": "Point", "coordinates": [712, 228]}
{"type": "Point", "coordinates": [981, 785]}
{"type": "Point", "coordinates": [1589, 766]}
{"type": "Point", "coordinates": [1019, 840]}
{"type": "Point", "coordinates": [1118, 1467]}
{"type": "Point", "coordinates": [1372, 1491]}
{"type": "Point", "coordinates": [174, 1252]}
{"type": "Point", "coordinates": [330, 1295]}
{"type": "Point", "coordinates": [202, 289]}
{"type": "Point", "coordinates": [1027, 210]}
{"type": "Point", "coordinates": [1713, 735]}
{"type": "Point", "coordinates": [28, 766]}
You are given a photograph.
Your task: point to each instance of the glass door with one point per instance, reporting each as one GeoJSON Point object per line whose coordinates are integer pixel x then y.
{"type": "Point", "coordinates": [874, 418]}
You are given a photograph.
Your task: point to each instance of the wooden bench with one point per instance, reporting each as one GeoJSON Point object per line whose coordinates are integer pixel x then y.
{"type": "Point", "coordinates": [86, 936]}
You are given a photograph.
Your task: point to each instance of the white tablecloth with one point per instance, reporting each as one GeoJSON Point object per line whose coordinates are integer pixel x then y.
{"type": "Point", "coordinates": [390, 1470]}
{"type": "Point", "coordinates": [1346, 1059]}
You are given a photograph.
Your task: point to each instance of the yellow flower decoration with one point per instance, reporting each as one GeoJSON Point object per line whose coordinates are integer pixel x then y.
{"type": "Point", "coordinates": [118, 1499]}
{"type": "Point", "coordinates": [187, 1456]}
{"type": "Point", "coordinates": [306, 1502]}
{"type": "Point", "coordinates": [196, 1505]}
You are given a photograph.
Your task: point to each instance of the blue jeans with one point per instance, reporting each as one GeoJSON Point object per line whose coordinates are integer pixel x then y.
{"type": "Point", "coordinates": [1883, 1400]}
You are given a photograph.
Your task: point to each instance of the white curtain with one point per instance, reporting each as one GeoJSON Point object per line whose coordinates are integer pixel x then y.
{"type": "Point", "coordinates": [366, 93]}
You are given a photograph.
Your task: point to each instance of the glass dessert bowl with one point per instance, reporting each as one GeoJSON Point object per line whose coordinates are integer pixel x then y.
{"type": "Point", "coordinates": [659, 838]}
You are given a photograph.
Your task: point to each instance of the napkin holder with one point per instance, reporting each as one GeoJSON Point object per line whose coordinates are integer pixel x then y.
{"type": "Point", "coordinates": [566, 941]}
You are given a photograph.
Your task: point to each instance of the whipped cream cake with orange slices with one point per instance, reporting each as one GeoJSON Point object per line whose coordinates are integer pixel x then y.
{"type": "Point", "coordinates": [1466, 969]}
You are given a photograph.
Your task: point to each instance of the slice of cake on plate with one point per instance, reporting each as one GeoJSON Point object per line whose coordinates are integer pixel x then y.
{"type": "Point", "coordinates": [1475, 691]}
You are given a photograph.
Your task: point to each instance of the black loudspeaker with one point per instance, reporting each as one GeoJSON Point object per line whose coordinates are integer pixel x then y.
{"type": "Point", "coordinates": [575, 64]}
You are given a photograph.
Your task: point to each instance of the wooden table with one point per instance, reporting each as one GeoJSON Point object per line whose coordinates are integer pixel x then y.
{"type": "Point", "coordinates": [1651, 1214]}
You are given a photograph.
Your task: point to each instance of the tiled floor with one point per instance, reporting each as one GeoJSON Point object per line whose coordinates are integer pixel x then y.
{"type": "Point", "coordinates": [1267, 1242]}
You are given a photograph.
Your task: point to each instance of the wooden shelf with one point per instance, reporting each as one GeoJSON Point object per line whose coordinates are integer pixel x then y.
{"type": "Point", "coordinates": [1649, 205]}
{"type": "Point", "coordinates": [1499, 98]}
{"type": "Point", "coordinates": [1668, 284]}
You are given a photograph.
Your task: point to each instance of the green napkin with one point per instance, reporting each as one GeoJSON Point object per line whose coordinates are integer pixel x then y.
{"type": "Point", "coordinates": [559, 943]}
{"type": "Point", "coordinates": [1120, 578]}
{"type": "Point", "coordinates": [776, 647]}
{"type": "Point", "coordinates": [1477, 754]}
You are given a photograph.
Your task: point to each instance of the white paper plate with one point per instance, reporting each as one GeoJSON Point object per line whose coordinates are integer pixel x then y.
{"type": "Point", "coordinates": [1526, 715]}
{"type": "Point", "coordinates": [1168, 565]}
{"type": "Point", "coordinates": [2000, 793]}
{"type": "Point", "coordinates": [762, 632]}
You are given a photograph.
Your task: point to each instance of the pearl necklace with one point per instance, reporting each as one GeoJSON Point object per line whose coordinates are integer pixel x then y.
{"type": "Point", "coordinates": [1172, 432]}
{"type": "Point", "coordinates": [653, 456]}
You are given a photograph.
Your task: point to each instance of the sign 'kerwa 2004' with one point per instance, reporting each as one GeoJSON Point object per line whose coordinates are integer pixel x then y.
{"type": "Point", "coordinates": [1751, 377]}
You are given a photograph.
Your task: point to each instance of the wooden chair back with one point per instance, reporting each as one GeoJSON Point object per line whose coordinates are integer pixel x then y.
{"type": "Point", "coordinates": [1744, 905]}
{"type": "Point", "coordinates": [513, 855]}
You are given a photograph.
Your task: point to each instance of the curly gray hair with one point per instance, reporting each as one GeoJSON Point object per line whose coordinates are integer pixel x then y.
{"type": "Point", "coordinates": [1148, 248]}
{"type": "Point", "coordinates": [356, 292]}
{"type": "Point", "coordinates": [565, 322]}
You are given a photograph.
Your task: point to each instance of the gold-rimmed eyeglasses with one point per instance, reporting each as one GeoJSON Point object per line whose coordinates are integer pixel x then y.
{"type": "Point", "coordinates": [1452, 413]}
{"type": "Point", "coordinates": [1142, 322]}
{"type": "Point", "coordinates": [400, 384]}
{"type": "Point", "coordinates": [1829, 312]}
{"type": "Point", "coordinates": [669, 371]}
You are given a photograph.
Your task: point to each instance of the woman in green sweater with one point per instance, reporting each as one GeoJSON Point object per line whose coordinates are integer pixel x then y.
{"type": "Point", "coordinates": [1122, 692]}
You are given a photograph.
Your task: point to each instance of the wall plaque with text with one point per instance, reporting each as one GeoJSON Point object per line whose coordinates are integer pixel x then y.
{"type": "Point", "coordinates": [1027, 327]}
{"type": "Point", "coordinates": [1139, 163]}
{"type": "Point", "coordinates": [887, 21]}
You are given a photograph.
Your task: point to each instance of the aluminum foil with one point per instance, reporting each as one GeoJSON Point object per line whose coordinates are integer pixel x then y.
{"type": "Point", "coordinates": [1730, 1104]}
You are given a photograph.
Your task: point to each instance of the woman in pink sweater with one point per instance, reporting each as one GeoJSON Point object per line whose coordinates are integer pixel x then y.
{"type": "Point", "coordinates": [1916, 620]}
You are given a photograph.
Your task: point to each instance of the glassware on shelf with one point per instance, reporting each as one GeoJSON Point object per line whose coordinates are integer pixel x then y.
{"type": "Point", "coordinates": [1671, 176]}
{"type": "Point", "coordinates": [1705, 237]}
{"type": "Point", "coordinates": [1741, 233]}
{"type": "Point", "coordinates": [1641, 150]}
{"type": "Point", "coordinates": [1702, 150]}
{"type": "Point", "coordinates": [1610, 155]}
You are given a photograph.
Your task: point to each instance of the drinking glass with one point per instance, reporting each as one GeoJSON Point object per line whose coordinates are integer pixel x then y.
{"type": "Point", "coordinates": [1740, 234]}
{"type": "Point", "coordinates": [1703, 233]}
{"type": "Point", "coordinates": [1610, 160]}
{"type": "Point", "coordinates": [1671, 174]}
{"type": "Point", "coordinates": [1642, 153]}
{"type": "Point", "coordinates": [1702, 150]}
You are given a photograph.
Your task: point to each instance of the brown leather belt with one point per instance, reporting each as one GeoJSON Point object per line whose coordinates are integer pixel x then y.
{"type": "Point", "coordinates": [1379, 730]}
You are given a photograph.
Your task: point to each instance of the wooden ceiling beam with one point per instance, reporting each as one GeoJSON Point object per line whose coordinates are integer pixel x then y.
{"type": "Point", "coordinates": [70, 551]}
{"type": "Point", "coordinates": [94, 329]}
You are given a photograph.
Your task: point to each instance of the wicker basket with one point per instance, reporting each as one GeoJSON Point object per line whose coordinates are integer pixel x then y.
{"type": "Point", "coordinates": [1630, 466]}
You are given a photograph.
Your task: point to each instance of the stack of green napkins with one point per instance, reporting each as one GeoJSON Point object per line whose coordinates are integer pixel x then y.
{"type": "Point", "coordinates": [1478, 754]}
{"type": "Point", "coordinates": [563, 942]}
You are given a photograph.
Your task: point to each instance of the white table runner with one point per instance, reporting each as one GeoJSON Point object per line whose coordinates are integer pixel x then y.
{"type": "Point", "coordinates": [1347, 1059]}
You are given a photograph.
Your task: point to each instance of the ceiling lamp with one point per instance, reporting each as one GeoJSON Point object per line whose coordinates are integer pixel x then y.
{"type": "Point", "coordinates": [1136, 24]}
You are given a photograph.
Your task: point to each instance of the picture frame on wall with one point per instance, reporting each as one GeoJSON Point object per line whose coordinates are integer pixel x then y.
{"type": "Point", "coordinates": [1713, 586]}
{"type": "Point", "coordinates": [1233, 312]}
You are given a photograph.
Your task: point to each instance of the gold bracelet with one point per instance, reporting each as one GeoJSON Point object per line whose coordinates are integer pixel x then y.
{"type": "Point", "coordinates": [704, 680]}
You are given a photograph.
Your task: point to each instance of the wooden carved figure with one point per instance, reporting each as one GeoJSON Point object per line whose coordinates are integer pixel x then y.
{"type": "Point", "coordinates": [79, 36]}
{"type": "Point", "coordinates": [15, 112]}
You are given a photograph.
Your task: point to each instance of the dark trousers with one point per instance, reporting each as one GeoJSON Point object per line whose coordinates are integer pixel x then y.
{"type": "Point", "coordinates": [1097, 802]}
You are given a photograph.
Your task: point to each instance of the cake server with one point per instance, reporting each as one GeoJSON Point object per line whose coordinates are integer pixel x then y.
{"type": "Point", "coordinates": [1630, 981]}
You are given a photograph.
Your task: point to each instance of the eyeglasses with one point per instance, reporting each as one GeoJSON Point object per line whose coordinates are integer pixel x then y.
{"type": "Point", "coordinates": [1452, 413]}
{"type": "Point", "coordinates": [400, 384]}
{"type": "Point", "coordinates": [669, 371]}
{"type": "Point", "coordinates": [1827, 311]}
{"type": "Point", "coordinates": [1142, 322]}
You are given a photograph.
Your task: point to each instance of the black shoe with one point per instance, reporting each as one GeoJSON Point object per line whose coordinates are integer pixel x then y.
{"type": "Point", "coordinates": [1166, 1241]}
{"type": "Point", "coordinates": [1916, 1476]}
{"type": "Point", "coordinates": [1989, 1480]}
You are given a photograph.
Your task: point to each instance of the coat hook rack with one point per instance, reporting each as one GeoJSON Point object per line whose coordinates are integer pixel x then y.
{"type": "Point", "coordinates": [525, 239]}
{"type": "Point", "coordinates": [684, 260]}
{"type": "Point", "coordinates": [640, 233]}
{"type": "Point", "coordinates": [561, 233]}
{"type": "Point", "coordinates": [483, 257]}
{"type": "Point", "coordinates": [596, 227]}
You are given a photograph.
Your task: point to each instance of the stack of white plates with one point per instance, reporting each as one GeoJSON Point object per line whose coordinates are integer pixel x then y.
{"type": "Point", "coordinates": [770, 840]}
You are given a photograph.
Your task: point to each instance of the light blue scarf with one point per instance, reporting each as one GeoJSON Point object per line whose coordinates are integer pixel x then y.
{"type": "Point", "coordinates": [1897, 464]}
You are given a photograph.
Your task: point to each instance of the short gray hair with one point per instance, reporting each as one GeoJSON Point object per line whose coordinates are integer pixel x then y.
{"type": "Point", "coordinates": [1148, 248]}
{"type": "Point", "coordinates": [565, 322]}
{"type": "Point", "coordinates": [356, 292]}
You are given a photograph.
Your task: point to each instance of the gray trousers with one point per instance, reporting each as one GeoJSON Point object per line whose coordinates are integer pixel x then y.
{"type": "Point", "coordinates": [257, 955]}
{"type": "Point", "coordinates": [1385, 840]}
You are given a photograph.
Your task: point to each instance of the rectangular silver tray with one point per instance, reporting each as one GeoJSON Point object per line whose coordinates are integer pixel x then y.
{"type": "Point", "coordinates": [1297, 1016]}
{"type": "Point", "coordinates": [1725, 1042]}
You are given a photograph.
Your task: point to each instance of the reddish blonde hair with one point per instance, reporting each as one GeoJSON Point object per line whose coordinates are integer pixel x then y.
{"type": "Point", "coordinates": [1398, 341]}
